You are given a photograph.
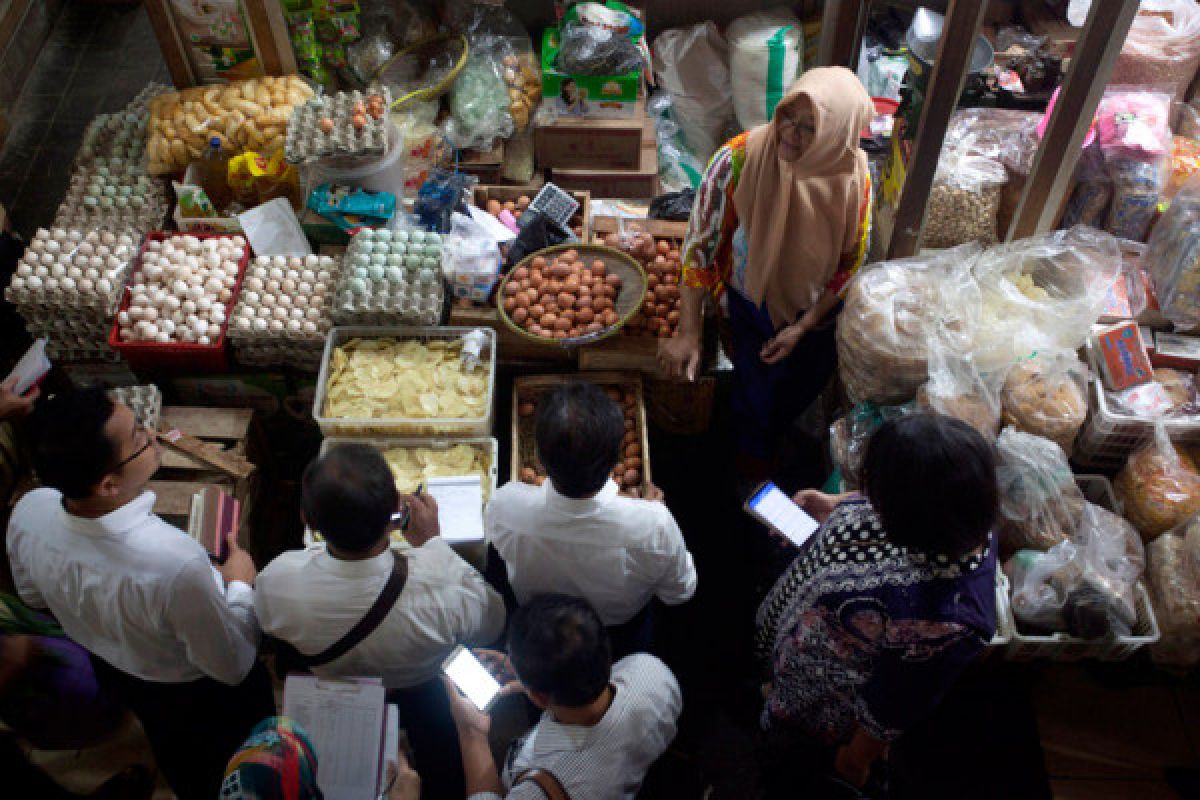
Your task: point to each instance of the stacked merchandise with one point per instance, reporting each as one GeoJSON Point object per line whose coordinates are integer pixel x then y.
{"type": "Point", "coordinates": [284, 311]}
{"type": "Point", "coordinates": [391, 277]}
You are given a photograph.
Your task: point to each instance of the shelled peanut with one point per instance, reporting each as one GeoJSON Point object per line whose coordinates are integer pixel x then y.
{"type": "Point", "coordinates": [659, 315]}
{"type": "Point", "coordinates": [562, 298]}
{"type": "Point", "coordinates": [629, 473]}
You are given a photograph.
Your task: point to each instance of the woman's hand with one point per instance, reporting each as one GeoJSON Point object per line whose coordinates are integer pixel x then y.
{"type": "Point", "coordinates": [781, 345]}
{"type": "Point", "coordinates": [13, 404]}
{"type": "Point", "coordinates": [817, 504]}
{"type": "Point", "coordinates": [679, 356]}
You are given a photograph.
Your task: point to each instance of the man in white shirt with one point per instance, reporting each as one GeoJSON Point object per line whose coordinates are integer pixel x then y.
{"type": "Point", "coordinates": [603, 724]}
{"type": "Point", "coordinates": [575, 535]}
{"type": "Point", "coordinates": [175, 637]}
{"type": "Point", "coordinates": [312, 598]}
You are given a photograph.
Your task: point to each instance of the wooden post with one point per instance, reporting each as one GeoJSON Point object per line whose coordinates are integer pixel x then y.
{"type": "Point", "coordinates": [841, 32]}
{"type": "Point", "coordinates": [269, 36]}
{"type": "Point", "coordinates": [946, 81]}
{"type": "Point", "coordinates": [162, 19]}
{"type": "Point", "coordinates": [1054, 164]}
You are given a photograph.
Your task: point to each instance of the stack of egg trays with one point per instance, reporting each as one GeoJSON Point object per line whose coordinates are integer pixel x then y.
{"type": "Point", "coordinates": [391, 278]}
{"type": "Point", "coordinates": [306, 142]}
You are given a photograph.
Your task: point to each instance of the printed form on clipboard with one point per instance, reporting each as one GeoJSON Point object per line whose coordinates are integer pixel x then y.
{"type": "Point", "coordinates": [354, 731]}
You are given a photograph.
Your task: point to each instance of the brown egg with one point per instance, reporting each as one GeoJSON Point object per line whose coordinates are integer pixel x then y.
{"type": "Point", "coordinates": [528, 475]}
{"type": "Point", "coordinates": [510, 304]}
{"type": "Point", "coordinates": [628, 424]}
{"type": "Point", "coordinates": [652, 324]}
{"type": "Point", "coordinates": [599, 271]}
{"type": "Point", "coordinates": [662, 309]}
{"type": "Point", "coordinates": [630, 438]}
{"type": "Point", "coordinates": [521, 273]}
{"type": "Point", "coordinates": [594, 327]}
{"type": "Point", "coordinates": [540, 480]}
{"type": "Point", "coordinates": [548, 320]}
{"type": "Point", "coordinates": [665, 332]}
{"type": "Point", "coordinates": [560, 334]}
{"type": "Point", "coordinates": [563, 324]}
{"type": "Point", "coordinates": [664, 247]}
{"type": "Point", "coordinates": [632, 477]}
{"type": "Point", "coordinates": [633, 450]}
{"type": "Point", "coordinates": [612, 280]}
{"type": "Point", "coordinates": [568, 315]}
{"type": "Point", "coordinates": [651, 281]}
{"type": "Point", "coordinates": [612, 240]}
{"type": "Point", "coordinates": [536, 329]}
{"type": "Point", "coordinates": [326, 125]}
{"type": "Point", "coordinates": [673, 317]}
{"type": "Point", "coordinates": [565, 299]}
{"type": "Point", "coordinates": [584, 316]}
{"type": "Point", "coordinates": [575, 332]}
{"type": "Point", "coordinates": [359, 121]}
{"type": "Point", "coordinates": [511, 289]}
{"type": "Point", "coordinates": [584, 301]}
{"type": "Point", "coordinates": [537, 277]}
{"type": "Point", "coordinates": [358, 107]}
{"type": "Point", "coordinates": [610, 318]}
{"type": "Point", "coordinates": [523, 202]}
{"type": "Point", "coordinates": [619, 471]}
{"type": "Point", "coordinates": [520, 315]}
{"type": "Point", "coordinates": [538, 262]}
{"type": "Point", "coordinates": [572, 284]}
{"type": "Point", "coordinates": [570, 256]}
{"type": "Point", "coordinates": [537, 311]}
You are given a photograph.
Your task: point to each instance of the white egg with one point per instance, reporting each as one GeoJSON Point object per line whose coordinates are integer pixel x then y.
{"type": "Point", "coordinates": [163, 337]}
{"type": "Point", "coordinates": [85, 249]}
{"type": "Point", "coordinates": [48, 259]}
{"type": "Point", "coordinates": [167, 326]}
{"type": "Point", "coordinates": [126, 334]}
{"type": "Point", "coordinates": [17, 283]}
{"type": "Point", "coordinates": [125, 240]}
{"type": "Point", "coordinates": [251, 297]}
{"type": "Point", "coordinates": [123, 319]}
{"type": "Point", "coordinates": [301, 301]}
{"type": "Point", "coordinates": [67, 284]}
{"type": "Point", "coordinates": [198, 326]}
{"type": "Point", "coordinates": [260, 325]}
{"type": "Point", "coordinates": [104, 286]}
{"type": "Point", "coordinates": [187, 335]}
{"type": "Point", "coordinates": [260, 273]}
{"type": "Point", "coordinates": [74, 272]}
{"type": "Point", "coordinates": [108, 238]}
{"type": "Point", "coordinates": [172, 302]}
{"type": "Point", "coordinates": [151, 313]}
{"type": "Point", "coordinates": [294, 326]}
{"type": "Point", "coordinates": [34, 282]}
{"type": "Point", "coordinates": [58, 270]}
{"type": "Point", "coordinates": [280, 312]}
{"type": "Point", "coordinates": [273, 286]}
{"type": "Point", "coordinates": [279, 261]}
{"type": "Point", "coordinates": [51, 284]}
{"type": "Point", "coordinates": [96, 262]}
{"type": "Point", "coordinates": [310, 327]}
{"type": "Point", "coordinates": [297, 313]}
{"type": "Point", "coordinates": [314, 314]}
{"type": "Point", "coordinates": [225, 295]}
{"type": "Point", "coordinates": [276, 274]}
{"type": "Point", "coordinates": [24, 270]}
{"type": "Point", "coordinates": [219, 306]}
{"type": "Point", "coordinates": [180, 288]}
{"type": "Point", "coordinates": [269, 301]}
{"type": "Point", "coordinates": [276, 326]}
{"type": "Point", "coordinates": [218, 317]}
{"type": "Point", "coordinates": [87, 285]}
{"type": "Point", "coordinates": [244, 323]}
{"type": "Point", "coordinates": [90, 272]}
{"type": "Point", "coordinates": [188, 306]}
{"type": "Point", "coordinates": [140, 299]}
{"type": "Point", "coordinates": [203, 304]}
{"type": "Point", "coordinates": [324, 275]}
{"type": "Point", "coordinates": [288, 285]}
{"type": "Point", "coordinates": [254, 284]}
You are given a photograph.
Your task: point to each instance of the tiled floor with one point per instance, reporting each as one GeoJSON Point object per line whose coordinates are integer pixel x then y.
{"type": "Point", "coordinates": [97, 59]}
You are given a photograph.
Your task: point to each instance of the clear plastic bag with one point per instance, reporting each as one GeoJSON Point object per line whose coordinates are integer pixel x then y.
{"type": "Point", "coordinates": [1159, 486]}
{"type": "Point", "coordinates": [849, 434]}
{"type": "Point", "coordinates": [890, 311]}
{"type": "Point", "coordinates": [1162, 47]}
{"type": "Point", "coordinates": [1134, 134]}
{"type": "Point", "coordinates": [470, 260]}
{"type": "Point", "coordinates": [1040, 503]}
{"type": "Point", "coordinates": [1173, 258]}
{"type": "Point", "coordinates": [1043, 292]}
{"type": "Point", "coordinates": [678, 167]}
{"type": "Point", "coordinates": [1046, 395]}
{"type": "Point", "coordinates": [1084, 586]}
{"type": "Point", "coordinates": [588, 49]}
{"type": "Point", "coordinates": [956, 388]}
{"type": "Point", "coordinates": [1173, 579]}
{"type": "Point", "coordinates": [692, 67]}
{"type": "Point", "coordinates": [1093, 192]}
{"type": "Point", "coordinates": [1171, 394]}
{"type": "Point", "coordinates": [965, 198]}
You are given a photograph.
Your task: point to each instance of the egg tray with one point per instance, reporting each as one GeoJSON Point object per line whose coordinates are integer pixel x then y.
{"type": "Point", "coordinates": [145, 401]}
{"type": "Point", "coordinates": [389, 277]}
{"type": "Point", "coordinates": [128, 197]}
{"type": "Point", "coordinates": [628, 301]}
{"type": "Point", "coordinates": [262, 343]}
{"type": "Point", "coordinates": [303, 356]}
{"type": "Point", "coordinates": [123, 133]}
{"type": "Point", "coordinates": [57, 251]}
{"type": "Point", "coordinates": [307, 141]}
{"type": "Point", "coordinates": [530, 388]}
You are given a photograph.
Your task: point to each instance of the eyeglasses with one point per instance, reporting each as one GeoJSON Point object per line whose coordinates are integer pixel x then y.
{"type": "Point", "coordinates": [149, 443]}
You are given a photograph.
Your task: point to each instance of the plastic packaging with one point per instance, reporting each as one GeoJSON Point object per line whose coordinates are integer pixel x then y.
{"type": "Point", "coordinates": [1047, 395]}
{"type": "Point", "coordinates": [1173, 578]}
{"type": "Point", "coordinates": [766, 55]}
{"type": "Point", "coordinates": [678, 166]}
{"type": "Point", "coordinates": [1040, 502]}
{"type": "Point", "coordinates": [965, 198]}
{"type": "Point", "coordinates": [849, 434]}
{"type": "Point", "coordinates": [1043, 292]}
{"type": "Point", "coordinates": [1133, 131]}
{"type": "Point", "coordinates": [676, 206]}
{"type": "Point", "coordinates": [471, 260]}
{"type": "Point", "coordinates": [1084, 586]}
{"type": "Point", "coordinates": [1162, 47]}
{"type": "Point", "coordinates": [599, 39]}
{"type": "Point", "coordinates": [439, 196]}
{"type": "Point", "coordinates": [956, 388]}
{"type": "Point", "coordinates": [1159, 486]}
{"type": "Point", "coordinates": [692, 66]}
{"type": "Point", "coordinates": [1185, 162]}
{"type": "Point", "coordinates": [1170, 394]}
{"type": "Point", "coordinates": [891, 309]}
{"type": "Point", "coordinates": [1173, 258]}
{"type": "Point", "coordinates": [1093, 191]}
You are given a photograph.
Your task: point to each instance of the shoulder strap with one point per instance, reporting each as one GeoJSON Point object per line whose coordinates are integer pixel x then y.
{"type": "Point", "coordinates": [370, 621]}
{"type": "Point", "coordinates": [551, 786]}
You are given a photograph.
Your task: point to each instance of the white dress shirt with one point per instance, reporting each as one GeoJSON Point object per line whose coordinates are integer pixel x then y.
{"type": "Point", "coordinates": [133, 590]}
{"type": "Point", "coordinates": [608, 760]}
{"type": "Point", "coordinates": [615, 552]}
{"type": "Point", "coordinates": [310, 599]}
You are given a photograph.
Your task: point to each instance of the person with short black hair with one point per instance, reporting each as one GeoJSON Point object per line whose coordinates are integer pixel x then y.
{"type": "Point", "coordinates": [890, 600]}
{"type": "Point", "coordinates": [603, 725]}
{"type": "Point", "coordinates": [173, 635]}
{"type": "Point", "coordinates": [421, 602]}
{"type": "Point", "coordinates": [574, 534]}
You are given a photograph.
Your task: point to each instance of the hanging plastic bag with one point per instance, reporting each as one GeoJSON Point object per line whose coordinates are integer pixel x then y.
{"type": "Point", "coordinates": [956, 388]}
{"type": "Point", "coordinates": [766, 55]}
{"type": "Point", "coordinates": [692, 66]}
{"type": "Point", "coordinates": [965, 198]}
{"type": "Point", "coordinates": [1084, 586]}
{"type": "Point", "coordinates": [600, 39]}
{"type": "Point", "coordinates": [890, 310]}
{"type": "Point", "coordinates": [1046, 395]}
{"type": "Point", "coordinates": [1159, 486]}
{"type": "Point", "coordinates": [1040, 502]}
{"type": "Point", "coordinates": [1173, 579]}
{"type": "Point", "coordinates": [1173, 258]}
{"type": "Point", "coordinates": [1044, 292]}
{"type": "Point", "coordinates": [678, 167]}
{"type": "Point", "coordinates": [1162, 47]}
{"type": "Point", "coordinates": [1134, 134]}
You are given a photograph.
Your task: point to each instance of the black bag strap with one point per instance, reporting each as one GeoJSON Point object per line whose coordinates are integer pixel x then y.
{"type": "Point", "coordinates": [370, 621]}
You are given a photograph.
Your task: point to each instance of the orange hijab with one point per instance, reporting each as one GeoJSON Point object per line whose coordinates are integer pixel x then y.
{"type": "Point", "coordinates": [799, 217]}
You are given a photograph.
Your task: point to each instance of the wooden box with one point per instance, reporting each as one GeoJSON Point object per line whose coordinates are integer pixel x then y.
{"type": "Point", "coordinates": [529, 388]}
{"type": "Point", "coordinates": [504, 194]}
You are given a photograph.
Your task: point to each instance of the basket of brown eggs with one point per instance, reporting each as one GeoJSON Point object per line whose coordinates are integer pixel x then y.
{"type": "Point", "coordinates": [632, 472]}
{"type": "Point", "coordinates": [571, 294]}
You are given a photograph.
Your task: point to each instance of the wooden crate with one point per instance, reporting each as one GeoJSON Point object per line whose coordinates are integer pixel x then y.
{"type": "Point", "coordinates": [226, 431]}
{"type": "Point", "coordinates": [524, 452]}
{"type": "Point", "coordinates": [505, 194]}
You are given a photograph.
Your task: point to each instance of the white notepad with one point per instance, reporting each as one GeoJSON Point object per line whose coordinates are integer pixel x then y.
{"type": "Point", "coordinates": [776, 509]}
{"type": "Point", "coordinates": [345, 719]}
{"type": "Point", "coordinates": [460, 507]}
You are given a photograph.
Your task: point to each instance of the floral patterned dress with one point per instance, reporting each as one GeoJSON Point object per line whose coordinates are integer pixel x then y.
{"type": "Point", "coordinates": [860, 631]}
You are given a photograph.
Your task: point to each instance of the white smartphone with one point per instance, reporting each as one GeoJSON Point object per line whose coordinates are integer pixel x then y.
{"type": "Point", "coordinates": [770, 505]}
{"type": "Point", "coordinates": [471, 677]}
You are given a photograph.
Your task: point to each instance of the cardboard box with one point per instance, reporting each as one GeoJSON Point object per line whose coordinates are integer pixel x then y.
{"type": "Point", "coordinates": [591, 143]}
{"type": "Point", "coordinates": [1176, 351]}
{"type": "Point", "coordinates": [1123, 359]}
{"type": "Point", "coordinates": [641, 182]}
{"type": "Point", "coordinates": [588, 96]}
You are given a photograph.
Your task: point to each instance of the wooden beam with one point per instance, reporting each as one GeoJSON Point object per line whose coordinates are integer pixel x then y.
{"type": "Point", "coordinates": [946, 80]}
{"type": "Point", "coordinates": [162, 19]}
{"type": "Point", "coordinates": [1054, 164]}
{"type": "Point", "coordinates": [269, 36]}
{"type": "Point", "coordinates": [841, 32]}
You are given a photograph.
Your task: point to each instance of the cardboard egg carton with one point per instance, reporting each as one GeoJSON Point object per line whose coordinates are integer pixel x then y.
{"type": "Point", "coordinates": [325, 127]}
{"type": "Point", "coordinates": [391, 277]}
{"type": "Point", "coordinates": [144, 401]}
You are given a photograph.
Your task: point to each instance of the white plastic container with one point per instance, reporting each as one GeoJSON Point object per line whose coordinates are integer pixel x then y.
{"type": "Point", "coordinates": [385, 174]}
{"type": "Point", "coordinates": [359, 428]}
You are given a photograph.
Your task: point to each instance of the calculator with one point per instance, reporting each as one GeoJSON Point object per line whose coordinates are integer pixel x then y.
{"type": "Point", "coordinates": [556, 204]}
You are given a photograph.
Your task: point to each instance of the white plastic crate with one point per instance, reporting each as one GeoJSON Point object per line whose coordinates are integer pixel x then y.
{"type": "Point", "coordinates": [1063, 647]}
{"type": "Point", "coordinates": [1003, 636]}
{"type": "Point", "coordinates": [1108, 436]}
{"type": "Point", "coordinates": [1098, 490]}
{"type": "Point", "coordinates": [406, 426]}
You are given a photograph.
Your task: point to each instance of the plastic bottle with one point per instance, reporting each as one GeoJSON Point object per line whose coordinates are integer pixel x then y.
{"type": "Point", "coordinates": [214, 175]}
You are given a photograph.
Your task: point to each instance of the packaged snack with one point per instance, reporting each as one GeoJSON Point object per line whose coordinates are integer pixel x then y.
{"type": "Point", "coordinates": [1123, 358]}
{"type": "Point", "coordinates": [1159, 486]}
{"type": "Point", "coordinates": [1173, 579]}
{"type": "Point", "coordinates": [1047, 395]}
{"type": "Point", "coordinates": [1040, 503]}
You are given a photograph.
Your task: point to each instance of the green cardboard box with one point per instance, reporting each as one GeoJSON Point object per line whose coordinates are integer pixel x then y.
{"type": "Point", "coordinates": [586, 96]}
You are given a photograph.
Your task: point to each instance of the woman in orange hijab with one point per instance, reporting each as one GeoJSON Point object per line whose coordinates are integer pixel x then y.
{"type": "Point", "coordinates": [779, 226]}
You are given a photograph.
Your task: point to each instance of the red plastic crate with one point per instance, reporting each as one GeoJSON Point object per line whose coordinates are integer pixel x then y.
{"type": "Point", "coordinates": [176, 356]}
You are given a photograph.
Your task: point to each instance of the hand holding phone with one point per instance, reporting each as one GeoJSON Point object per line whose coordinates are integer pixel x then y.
{"type": "Point", "coordinates": [472, 678]}
{"type": "Point", "coordinates": [774, 508]}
